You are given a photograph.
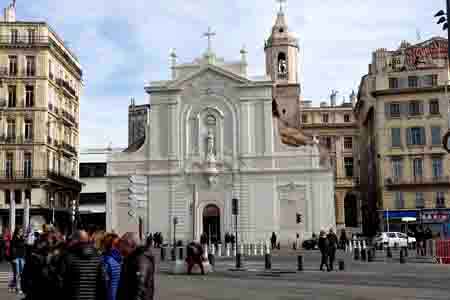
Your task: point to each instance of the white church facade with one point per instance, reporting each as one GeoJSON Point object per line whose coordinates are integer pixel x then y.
{"type": "Point", "coordinates": [211, 136]}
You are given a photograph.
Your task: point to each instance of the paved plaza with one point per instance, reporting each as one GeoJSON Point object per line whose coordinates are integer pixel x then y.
{"type": "Point", "coordinates": [382, 279]}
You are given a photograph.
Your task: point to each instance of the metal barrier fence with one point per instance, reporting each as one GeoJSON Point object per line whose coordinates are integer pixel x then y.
{"type": "Point", "coordinates": [443, 251]}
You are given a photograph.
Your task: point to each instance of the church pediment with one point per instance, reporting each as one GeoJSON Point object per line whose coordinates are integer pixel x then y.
{"type": "Point", "coordinates": [208, 75]}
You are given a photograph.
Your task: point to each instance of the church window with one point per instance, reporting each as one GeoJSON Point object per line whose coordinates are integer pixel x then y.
{"type": "Point", "coordinates": [281, 30]}
{"type": "Point", "coordinates": [282, 65]}
{"type": "Point", "coordinates": [325, 118]}
{"type": "Point", "coordinates": [284, 111]}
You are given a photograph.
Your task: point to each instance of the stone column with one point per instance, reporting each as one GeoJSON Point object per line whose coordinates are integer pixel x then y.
{"type": "Point", "coordinates": [340, 212]}
{"type": "Point", "coordinates": [173, 129]}
{"type": "Point", "coordinates": [245, 128]}
{"type": "Point", "coordinates": [268, 128]}
{"type": "Point", "coordinates": [12, 211]}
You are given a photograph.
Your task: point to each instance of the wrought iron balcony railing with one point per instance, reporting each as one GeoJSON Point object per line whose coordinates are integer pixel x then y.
{"type": "Point", "coordinates": [32, 175]}
{"type": "Point", "coordinates": [417, 180]}
{"type": "Point", "coordinates": [23, 40]}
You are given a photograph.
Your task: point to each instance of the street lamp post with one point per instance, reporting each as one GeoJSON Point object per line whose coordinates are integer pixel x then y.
{"type": "Point", "coordinates": [175, 222]}
{"type": "Point", "coordinates": [235, 212]}
{"type": "Point", "coordinates": [52, 201]}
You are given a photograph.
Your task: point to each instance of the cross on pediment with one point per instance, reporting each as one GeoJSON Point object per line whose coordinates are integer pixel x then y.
{"type": "Point", "coordinates": [209, 34]}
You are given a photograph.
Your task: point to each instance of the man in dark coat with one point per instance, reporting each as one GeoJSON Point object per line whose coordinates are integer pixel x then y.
{"type": "Point", "coordinates": [323, 246]}
{"type": "Point", "coordinates": [273, 240]}
{"type": "Point", "coordinates": [82, 272]}
{"type": "Point", "coordinates": [194, 257]}
{"type": "Point", "coordinates": [137, 278]}
{"type": "Point", "coordinates": [332, 247]}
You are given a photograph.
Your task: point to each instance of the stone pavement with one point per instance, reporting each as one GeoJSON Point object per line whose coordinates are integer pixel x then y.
{"type": "Point", "coordinates": [378, 280]}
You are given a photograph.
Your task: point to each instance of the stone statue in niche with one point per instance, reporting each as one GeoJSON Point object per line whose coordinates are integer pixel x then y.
{"type": "Point", "coordinates": [282, 67]}
{"type": "Point", "coordinates": [210, 147]}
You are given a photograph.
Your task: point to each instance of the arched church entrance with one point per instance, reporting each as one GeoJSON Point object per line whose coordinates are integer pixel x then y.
{"type": "Point", "coordinates": [351, 210]}
{"type": "Point", "coordinates": [211, 222]}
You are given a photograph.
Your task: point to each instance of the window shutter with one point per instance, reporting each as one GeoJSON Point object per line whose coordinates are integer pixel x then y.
{"type": "Point", "coordinates": [421, 107]}
{"type": "Point", "coordinates": [408, 136]}
{"type": "Point", "coordinates": [423, 136]}
{"type": "Point", "coordinates": [387, 110]}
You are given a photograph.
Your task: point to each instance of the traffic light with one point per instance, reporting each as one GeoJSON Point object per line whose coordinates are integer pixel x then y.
{"type": "Point", "coordinates": [235, 207]}
{"type": "Point", "coordinates": [299, 218]}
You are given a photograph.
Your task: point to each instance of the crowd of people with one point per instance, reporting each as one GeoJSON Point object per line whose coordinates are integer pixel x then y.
{"type": "Point", "coordinates": [80, 267]}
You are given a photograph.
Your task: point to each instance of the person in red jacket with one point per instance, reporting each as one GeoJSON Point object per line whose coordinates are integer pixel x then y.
{"type": "Point", "coordinates": [7, 237]}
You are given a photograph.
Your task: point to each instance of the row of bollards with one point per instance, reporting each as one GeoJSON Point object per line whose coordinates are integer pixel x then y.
{"type": "Point", "coordinates": [369, 253]}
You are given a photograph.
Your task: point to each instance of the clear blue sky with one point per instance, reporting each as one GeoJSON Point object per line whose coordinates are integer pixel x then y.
{"type": "Point", "coordinates": [123, 44]}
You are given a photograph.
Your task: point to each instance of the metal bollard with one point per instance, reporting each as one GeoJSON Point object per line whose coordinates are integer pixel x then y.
{"type": "Point", "coordinates": [268, 261]}
{"type": "Point", "coordinates": [173, 254]}
{"type": "Point", "coordinates": [341, 265]}
{"type": "Point", "coordinates": [180, 253]}
{"type": "Point", "coordinates": [211, 259]}
{"type": "Point", "coordinates": [238, 261]}
{"type": "Point", "coordinates": [356, 254]}
{"type": "Point", "coordinates": [363, 255]}
{"type": "Point", "coordinates": [389, 252]}
{"type": "Point", "coordinates": [370, 255]}
{"type": "Point", "coordinates": [402, 257]}
{"type": "Point", "coordinates": [299, 263]}
{"type": "Point", "coordinates": [163, 254]}
{"type": "Point", "coordinates": [219, 250]}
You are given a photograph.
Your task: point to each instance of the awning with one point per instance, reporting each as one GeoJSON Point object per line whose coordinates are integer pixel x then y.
{"type": "Point", "coordinates": [399, 214]}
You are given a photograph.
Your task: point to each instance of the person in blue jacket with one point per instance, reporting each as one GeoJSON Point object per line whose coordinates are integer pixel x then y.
{"type": "Point", "coordinates": [112, 260]}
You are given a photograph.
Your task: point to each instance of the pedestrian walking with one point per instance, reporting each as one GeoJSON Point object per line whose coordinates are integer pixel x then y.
{"type": "Point", "coordinates": [332, 247]}
{"type": "Point", "coordinates": [18, 255]}
{"type": "Point", "coordinates": [420, 240]}
{"type": "Point", "coordinates": [138, 270]}
{"type": "Point", "coordinates": [82, 271]}
{"type": "Point", "coordinates": [273, 240]}
{"type": "Point", "coordinates": [343, 241]}
{"type": "Point", "coordinates": [323, 247]}
{"type": "Point", "coordinates": [149, 240]}
{"type": "Point", "coordinates": [7, 237]}
{"type": "Point", "coordinates": [112, 260]}
{"type": "Point", "coordinates": [194, 257]}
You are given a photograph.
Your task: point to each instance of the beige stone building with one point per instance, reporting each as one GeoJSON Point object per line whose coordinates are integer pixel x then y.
{"type": "Point", "coordinates": [402, 110]}
{"type": "Point", "coordinates": [41, 82]}
{"type": "Point", "coordinates": [336, 129]}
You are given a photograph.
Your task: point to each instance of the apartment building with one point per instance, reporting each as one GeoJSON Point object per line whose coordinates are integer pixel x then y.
{"type": "Point", "coordinates": [402, 110]}
{"type": "Point", "coordinates": [40, 87]}
{"type": "Point", "coordinates": [336, 129]}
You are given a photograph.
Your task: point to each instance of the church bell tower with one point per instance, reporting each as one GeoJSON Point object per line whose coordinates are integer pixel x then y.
{"type": "Point", "coordinates": [282, 50]}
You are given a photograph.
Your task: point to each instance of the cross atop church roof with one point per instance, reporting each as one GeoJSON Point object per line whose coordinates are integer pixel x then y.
{"type": "Point", "coordinates": [209, 34]}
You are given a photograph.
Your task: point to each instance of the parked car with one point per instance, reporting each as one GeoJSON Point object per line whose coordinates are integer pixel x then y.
{"type": "Point", "coordinates": [310, 244]}
{"type": "Point", "coordinates": [393, 239]}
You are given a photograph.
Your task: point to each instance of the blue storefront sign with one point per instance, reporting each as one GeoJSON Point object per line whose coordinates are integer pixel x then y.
{"type": "Point", "coordinates": [398, 214]}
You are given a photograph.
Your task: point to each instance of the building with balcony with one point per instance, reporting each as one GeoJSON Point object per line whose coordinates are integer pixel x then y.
{"type": "Point", "coordinates": [336, 129]}
{"type": "Point", "coordinates": [40, 86]}
{"type": "Point", "coordinates": [93, 172]}
{"type": "Point", "coordinates": [402, 112]}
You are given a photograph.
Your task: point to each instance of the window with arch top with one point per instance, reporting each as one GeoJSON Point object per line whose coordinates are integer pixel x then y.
{"type": "Point", "coordinates": [282, 65]}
